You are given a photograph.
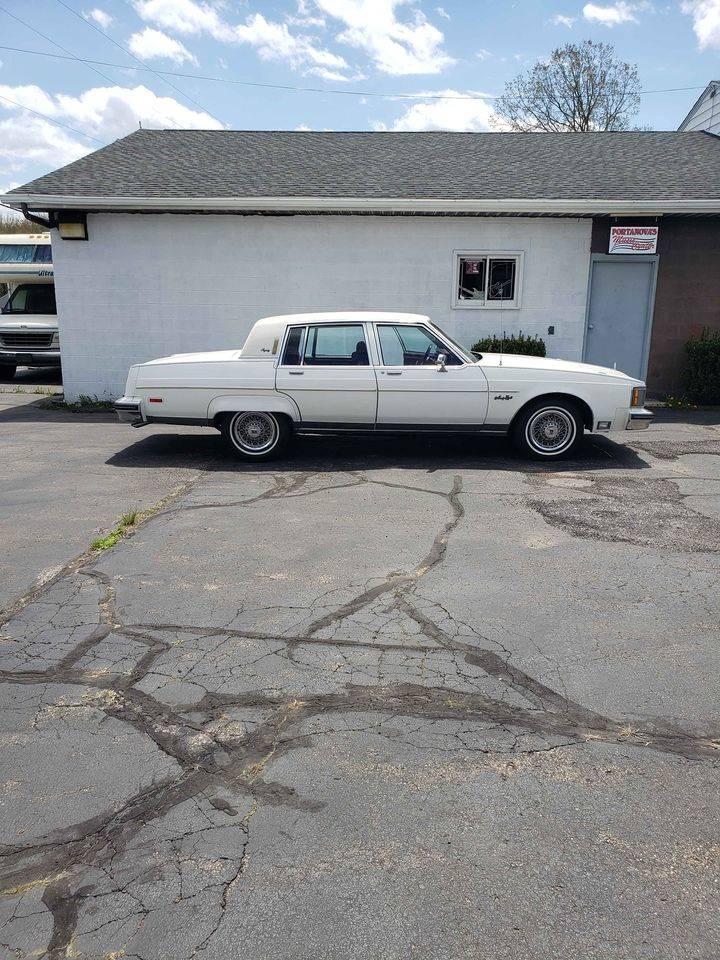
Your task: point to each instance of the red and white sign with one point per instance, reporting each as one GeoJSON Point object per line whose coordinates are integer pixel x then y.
{"type": "Point", "coordinates": [633, 239]}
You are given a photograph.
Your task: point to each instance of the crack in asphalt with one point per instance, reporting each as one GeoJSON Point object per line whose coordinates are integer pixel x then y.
{"type": "Point", "coordinates": [72, 863]}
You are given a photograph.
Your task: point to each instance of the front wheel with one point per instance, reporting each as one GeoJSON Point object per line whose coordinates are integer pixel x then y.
{"type": "Point", "coordinates": [547, 429]}
{"type": "Point", "coordinates": [254, 435]}
{"type": "Point", "coordinates": [7, 371]}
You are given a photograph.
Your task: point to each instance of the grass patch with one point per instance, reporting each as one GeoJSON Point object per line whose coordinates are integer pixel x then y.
{"type": "Point", "coordinates": [83, 404]}
{"type": "Point", "coordinates": [43, 391]}
{"type": "Point", "coordinates": [125, 525]}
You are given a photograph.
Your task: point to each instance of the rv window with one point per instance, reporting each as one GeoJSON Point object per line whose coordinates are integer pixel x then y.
{"type": "Point", "coordinates": [16, 252]}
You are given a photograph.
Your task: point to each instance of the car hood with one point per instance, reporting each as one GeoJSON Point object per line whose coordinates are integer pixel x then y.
{"type": "Point", "coordinates": [40, 323]}
{"type": "Point", "coordinates": [211, 356]}
{"type": "Point", "coordinates": [524, 362]}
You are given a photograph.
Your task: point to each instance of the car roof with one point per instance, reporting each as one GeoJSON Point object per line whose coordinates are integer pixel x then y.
{"type": "Point", "coordinates": [344, 316]}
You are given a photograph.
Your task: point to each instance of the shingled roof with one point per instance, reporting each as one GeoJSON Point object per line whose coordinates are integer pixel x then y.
{"type": "Point", "coordinates": [236, 165]}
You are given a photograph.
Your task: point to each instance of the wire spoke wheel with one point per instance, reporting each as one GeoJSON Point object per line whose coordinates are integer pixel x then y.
{"type": "Point", "coordinates": [254, 433]}
{"type": "Point", "coordinates": [550, 430]}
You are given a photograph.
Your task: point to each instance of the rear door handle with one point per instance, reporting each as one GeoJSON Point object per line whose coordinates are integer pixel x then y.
{"type": "Point", "coordinates": [394, 373]}
{"type": "Point", "coordinates": [296, 373]}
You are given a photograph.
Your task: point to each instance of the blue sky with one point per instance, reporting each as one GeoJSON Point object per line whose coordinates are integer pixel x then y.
{"type": "Point", "coordinates": [455, 56]}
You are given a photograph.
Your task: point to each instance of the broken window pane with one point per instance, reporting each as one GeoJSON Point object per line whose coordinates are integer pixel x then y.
{"type": "Point", "coordinates": [472, 279]}
{"type": "Point", "coordinates": [502, 280]}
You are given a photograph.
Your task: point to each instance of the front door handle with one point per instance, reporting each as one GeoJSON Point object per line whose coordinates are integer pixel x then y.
{"type": "Point", "coordinates": [296, 373]}
{"type": "Point", "coordinates": [394, 373]}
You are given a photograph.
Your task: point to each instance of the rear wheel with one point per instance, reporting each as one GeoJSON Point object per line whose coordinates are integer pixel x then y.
{"type": "Point", "coordinates": [7, 371]}
{"type": "Point", "coordinates": [255, 435]}
{"type": "Point", "coordinates": [547, 429]}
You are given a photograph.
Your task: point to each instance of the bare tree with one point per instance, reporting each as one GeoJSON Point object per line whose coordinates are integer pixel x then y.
{"type": "Point", "coordinates": [14, 223]}
{"type": "Point", "coordinates": [580, 87]}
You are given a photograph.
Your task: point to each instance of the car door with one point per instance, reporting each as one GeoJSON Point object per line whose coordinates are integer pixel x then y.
{"type": "Point", "coordinates": [412, 388]}
{"type": "Point", "coordinates": [325, 368]}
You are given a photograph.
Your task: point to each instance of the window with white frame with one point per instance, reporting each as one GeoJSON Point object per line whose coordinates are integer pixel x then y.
{"type": "Point", "coordinates": [489, 280]}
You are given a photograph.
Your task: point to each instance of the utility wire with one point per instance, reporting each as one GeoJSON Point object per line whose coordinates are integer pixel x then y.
{"type": "Point", "coordinates": [286, 86]}
{"type": "Point", "coordinates": [157, 73]}
{"type": "Point", "coordinates": [56, 44]}
{"type": "Point", "coordinates": [57, 123]}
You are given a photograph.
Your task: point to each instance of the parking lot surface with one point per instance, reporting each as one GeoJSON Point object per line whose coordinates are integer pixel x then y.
{"type": "Point", "coordinates": [384, 699]}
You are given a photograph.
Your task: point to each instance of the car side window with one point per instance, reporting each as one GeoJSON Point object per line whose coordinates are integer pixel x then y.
{"type": "Point", "coordinates": [336, 344]}
{"type": "Point", "coordinates": [292, 356]}
{"type": "Point", "coordinates": [403, 345]}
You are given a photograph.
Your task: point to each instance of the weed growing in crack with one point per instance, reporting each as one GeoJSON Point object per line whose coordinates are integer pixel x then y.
{"type": "Point", "coordinates": [125, 525]}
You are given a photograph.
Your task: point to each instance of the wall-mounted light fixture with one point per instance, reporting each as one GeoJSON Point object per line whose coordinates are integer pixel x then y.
{"type": "Point", "coordinates": [72, 225]}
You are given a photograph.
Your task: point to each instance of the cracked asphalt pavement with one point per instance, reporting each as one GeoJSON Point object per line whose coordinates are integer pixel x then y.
{"type": "Point", "coordinates": [385, 699]}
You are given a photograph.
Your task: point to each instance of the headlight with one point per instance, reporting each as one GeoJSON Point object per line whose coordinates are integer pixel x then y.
{"type": "Point", "coordinates": [637, 398]}
{"type": "Point", "coordinates": [56, 340]}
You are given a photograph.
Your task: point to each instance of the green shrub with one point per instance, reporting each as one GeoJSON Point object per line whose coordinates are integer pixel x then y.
{"type": "Point", "coordinates": [533, 346]}
{"type": "Point", "coordinates": [703, 375]}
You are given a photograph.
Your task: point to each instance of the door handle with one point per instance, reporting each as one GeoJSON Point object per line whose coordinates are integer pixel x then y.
{"type": "Point", "coordinates": [591, 326]}
{"type": "Point", "coordinates": [394, 373]}
{"type": "Point", "coordinates": [296, 373]}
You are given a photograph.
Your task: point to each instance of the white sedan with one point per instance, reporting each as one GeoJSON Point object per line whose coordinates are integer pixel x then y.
{"type": "Point", "coordinates": [378, 372]}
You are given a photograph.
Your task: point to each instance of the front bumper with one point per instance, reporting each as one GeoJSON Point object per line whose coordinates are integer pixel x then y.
{"type": "Point", "coordinates": [30, 358]}
{"type": "Point", "coordinates": [639, 419]}
{"type": "Point", "coordinates": [128, 410]}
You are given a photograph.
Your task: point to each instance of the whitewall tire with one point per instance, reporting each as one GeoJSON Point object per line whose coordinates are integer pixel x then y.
{"type": "Point", "coordinates": [547, 429]}
{"type": "Point", "coordinates": [255, 435]}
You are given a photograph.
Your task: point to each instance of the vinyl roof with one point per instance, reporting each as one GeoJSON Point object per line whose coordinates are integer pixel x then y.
{"type": "Point", "coordinates": [150, 165]}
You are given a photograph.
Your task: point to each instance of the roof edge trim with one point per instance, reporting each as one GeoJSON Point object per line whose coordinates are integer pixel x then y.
{"type": "Point", "coordinates": [647, 207]}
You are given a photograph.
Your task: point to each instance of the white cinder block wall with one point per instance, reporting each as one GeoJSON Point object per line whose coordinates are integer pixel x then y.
{"type": "Point", "coordinates": [144, 286]}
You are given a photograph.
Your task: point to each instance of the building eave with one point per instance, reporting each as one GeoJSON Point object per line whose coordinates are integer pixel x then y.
{"type": "Point", "coordinates": [566, 207]}
{"type": "Point", "coordinates": [691, 112]}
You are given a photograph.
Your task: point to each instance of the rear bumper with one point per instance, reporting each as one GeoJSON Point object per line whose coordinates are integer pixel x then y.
{"type": "Point", "coordinates": [639, 419]}
{"type": "Point", "coordinates": [128, 410]}
{"type": "Point", "coordinates": [30, 358]}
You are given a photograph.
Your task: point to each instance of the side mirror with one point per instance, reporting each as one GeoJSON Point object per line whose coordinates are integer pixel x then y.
{"type": "Point", "coordinates": [441, 361]}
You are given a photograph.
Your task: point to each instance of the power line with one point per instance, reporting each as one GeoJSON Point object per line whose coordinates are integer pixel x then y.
{"type": "Point", "coordinates": [56, 44]}
{"type": "Point", "coordinates": [157, 73]}
{"type": "Point", "coordinates": [286, 86]}
{"type": "Point", "coordinates": [57, 123]}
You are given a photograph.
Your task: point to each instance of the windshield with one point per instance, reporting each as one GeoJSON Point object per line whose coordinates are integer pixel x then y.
{"type": "Point", "coordinates": [32, 298]}
{"type": "Point", "coordinates": [463, 351]}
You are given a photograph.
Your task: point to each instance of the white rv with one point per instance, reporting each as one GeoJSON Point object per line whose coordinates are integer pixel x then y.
{"type": "Point", "coordinates": [28, 316]}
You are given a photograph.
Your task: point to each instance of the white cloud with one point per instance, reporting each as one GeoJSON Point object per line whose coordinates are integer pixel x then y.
{"type": "Point", "coordinates": [26, 140]}
{"type": "Point", "coordinates": [560, 20]}
{"type": "Point", "coordinates": [706, 21]}
{"type": "Point", "coordinates": [442, 12]}
{"type": "Point", "coordinates": [483, 54]}
{"type": "Point", "coordinates": [273, 40]}
{"type": "Point", "coordinates": [152, 44]}
{"type": "Point", "coordinates": [410, 45]}
{"type": "Point", "coordinates": [101, 17]}
{"type": "Point", "coordinates": [446, 114]}
{"type": "Point", "coordinates": [104, 113]}
{"type": "Point", "coordinates": [613, 14]}
{"type": "Point", "coordinates": [398, 47]}
{"type": "Point", "coordinates": [184, 16]}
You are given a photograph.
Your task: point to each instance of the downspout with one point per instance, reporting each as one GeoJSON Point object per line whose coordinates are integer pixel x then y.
{"type": "Point", "coordinates": [33, 218]}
